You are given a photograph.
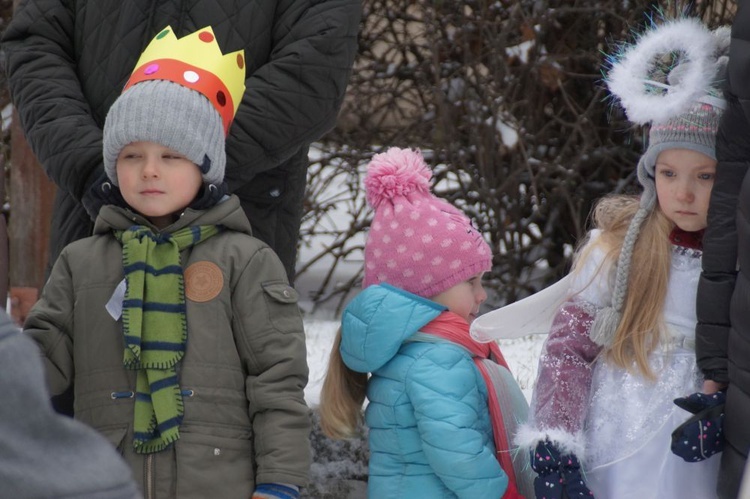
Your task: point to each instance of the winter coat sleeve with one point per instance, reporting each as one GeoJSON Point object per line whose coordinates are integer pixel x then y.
{"type": "Point", "coordinates": [271, 342]}
{"type": "Point", "coordinates": [50, 323]}
{"type": "Point", "coordinates": [46, 91]}
{"type": "Point", "coordinates": [561, 394]}
{"type": "Point", "coordinates": [560, 400]}
{"type": "Point", "coordinates": [294, 98]}
{"type": "Point", "coordinates": [443, 390]}
{"type": "Point", "coordinates": [720, 243]}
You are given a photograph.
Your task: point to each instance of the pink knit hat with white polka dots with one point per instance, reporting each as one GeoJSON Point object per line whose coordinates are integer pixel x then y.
{"type": "Point", "coordinates": [417, 242]}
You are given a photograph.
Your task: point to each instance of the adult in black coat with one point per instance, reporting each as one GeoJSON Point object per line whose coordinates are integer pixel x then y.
{"type": "Point", "coordinates": [67, 62]}
{"type": "Point", "coordinates": [723, 301]}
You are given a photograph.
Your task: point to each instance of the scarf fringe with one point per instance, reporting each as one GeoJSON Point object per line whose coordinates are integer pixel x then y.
{"type": "Point", "coordinates": [135, 364]}
{"type": "Point", "coordinates": [157, 443]}
{"type": "Point", "coordinates": [152, 446]}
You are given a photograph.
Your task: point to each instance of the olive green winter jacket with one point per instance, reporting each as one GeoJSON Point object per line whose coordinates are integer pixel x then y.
{"type": "Point", "coordinates": [242, 376]}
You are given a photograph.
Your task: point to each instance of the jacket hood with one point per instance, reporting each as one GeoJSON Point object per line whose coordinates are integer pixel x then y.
{"type": "Point", "coordinates": [376, 323]}
{"type": "Point", "coordinates": [228, 213]}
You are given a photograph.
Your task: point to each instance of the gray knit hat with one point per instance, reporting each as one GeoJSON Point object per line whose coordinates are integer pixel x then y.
{"type": "Point", "coordinates": [171, 115]}
{"type": "Point", "coordinates": [694, 129]}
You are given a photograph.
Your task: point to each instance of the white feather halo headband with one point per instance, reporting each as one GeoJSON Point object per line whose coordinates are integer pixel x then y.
{"type": "Point", "coordinates": [630, 81]}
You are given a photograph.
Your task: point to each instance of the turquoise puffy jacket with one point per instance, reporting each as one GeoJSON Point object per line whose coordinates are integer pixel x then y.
{"type": "Point", "coordinates": [430, 429]}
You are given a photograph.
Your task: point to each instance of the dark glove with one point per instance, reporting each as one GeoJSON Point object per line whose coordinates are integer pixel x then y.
{"type": "Point", "coordinates": [701, 436]}
{"type": "Point", "coordinates": [559, 475]}
{"type": "Point", "coordinates": [101, 192]}
{"type": "Point", "coordinates": [209, 195]}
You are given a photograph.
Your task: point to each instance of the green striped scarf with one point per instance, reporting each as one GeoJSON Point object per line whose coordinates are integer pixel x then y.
{"type": "Point", "coordinates": [155, 328]}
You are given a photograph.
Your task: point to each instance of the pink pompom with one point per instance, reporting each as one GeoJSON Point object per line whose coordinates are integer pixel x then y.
{"type": "Point", "coordinates": [396, 172]}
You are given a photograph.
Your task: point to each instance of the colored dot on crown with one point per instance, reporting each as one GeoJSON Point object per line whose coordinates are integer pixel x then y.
{"type": "Point", "coordinates": [151, 69]}
{"type": "Point", "coordinates": [205, 36]}
{"type": "Point", "coordinates": [190, 76]}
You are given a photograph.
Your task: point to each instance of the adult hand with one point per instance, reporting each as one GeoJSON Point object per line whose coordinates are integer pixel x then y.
{"type": "Point", "coordinates": [21, 301]}
{"type": "Point", "coordinates": [710, 386]}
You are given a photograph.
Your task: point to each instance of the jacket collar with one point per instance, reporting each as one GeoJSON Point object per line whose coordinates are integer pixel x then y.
{"type": "Point", "coordinates": [228, 213]}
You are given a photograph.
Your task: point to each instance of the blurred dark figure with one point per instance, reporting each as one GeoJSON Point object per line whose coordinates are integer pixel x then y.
{"type": "Point", "coordinates": [723, 306]}
{"type": "Point", "coordinates": [44, 454]}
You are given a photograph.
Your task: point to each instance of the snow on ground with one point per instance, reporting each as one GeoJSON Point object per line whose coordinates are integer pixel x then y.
{"type": "Point", "coordinates": [320, 334]}
{"type": "Point", "coordinates": [522, 355]}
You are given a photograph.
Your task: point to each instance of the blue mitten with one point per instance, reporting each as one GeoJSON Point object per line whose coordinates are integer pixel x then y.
{"type": "Point", "coordinates": [276, 491]}
{"type": "Point", "coordinates": [700, 437]}
{"type": "Point", "coordinates": [559, 475]}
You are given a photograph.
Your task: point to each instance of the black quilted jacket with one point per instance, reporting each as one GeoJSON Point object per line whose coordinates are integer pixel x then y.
{"type": "Point", "coordinates": [723, 302]}
{"type": "Point", "coordinates": [67, 61]}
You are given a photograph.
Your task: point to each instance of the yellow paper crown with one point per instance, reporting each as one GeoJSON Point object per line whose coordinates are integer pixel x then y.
{"type": "Point", "coordinates": [195, 61]}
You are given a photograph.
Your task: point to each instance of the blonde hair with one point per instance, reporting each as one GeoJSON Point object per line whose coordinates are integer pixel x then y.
{"type": "Point", "coordinates": [642, 322]}
{"type": "Point", "coordinates": [342, 396]}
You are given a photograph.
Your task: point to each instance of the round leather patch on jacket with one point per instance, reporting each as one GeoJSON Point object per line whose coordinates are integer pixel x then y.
{"type": "Point", "coordinates": [203, 281]}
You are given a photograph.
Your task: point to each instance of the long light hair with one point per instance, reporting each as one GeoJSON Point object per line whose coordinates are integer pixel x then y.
{"type": "Point", "coordinates": [642, 322]}
{"type": "Point", "coordinates": [341, 397]}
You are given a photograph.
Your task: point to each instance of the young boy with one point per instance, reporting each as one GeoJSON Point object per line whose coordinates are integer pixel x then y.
{"type": "Point", "coordinates": [178, 329]}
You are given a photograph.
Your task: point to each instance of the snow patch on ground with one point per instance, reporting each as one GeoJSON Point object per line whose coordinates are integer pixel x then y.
{"type": "Point", "coordinates": [320, 334]}
{"type": "Point", "coordinates": [522, 355]}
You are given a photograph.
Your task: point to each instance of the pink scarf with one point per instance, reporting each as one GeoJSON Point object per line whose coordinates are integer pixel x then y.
{"type": "Point", "coordinates": [455, 329]}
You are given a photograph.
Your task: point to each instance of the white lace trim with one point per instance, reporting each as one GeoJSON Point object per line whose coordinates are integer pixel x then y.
{"type": "Point", "coordinates": [568, 443]}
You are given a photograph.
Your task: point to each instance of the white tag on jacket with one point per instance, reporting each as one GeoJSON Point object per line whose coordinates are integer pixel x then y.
{"type": "Point", "coordinates": [114, 305]}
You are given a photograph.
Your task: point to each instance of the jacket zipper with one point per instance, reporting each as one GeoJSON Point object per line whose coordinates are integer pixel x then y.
{"type": "Point", "coordinates": [148, 476]}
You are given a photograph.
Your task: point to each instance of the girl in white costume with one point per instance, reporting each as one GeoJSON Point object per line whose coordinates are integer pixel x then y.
{"type": "Point", "coordinates": [621, 347]}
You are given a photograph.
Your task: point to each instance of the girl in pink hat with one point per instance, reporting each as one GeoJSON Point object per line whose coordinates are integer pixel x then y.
{"type": "Point", "coordinates": [439, 415]}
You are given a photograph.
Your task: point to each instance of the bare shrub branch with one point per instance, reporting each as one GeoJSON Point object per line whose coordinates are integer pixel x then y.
{"type": "Point", "coordinates": [506, 100]}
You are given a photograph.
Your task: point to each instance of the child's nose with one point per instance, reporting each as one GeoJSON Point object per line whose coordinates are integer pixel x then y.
{"type": "Point", "coordinates": [685, 192]}
{"type": "Point", "coordinates": [150, 168]}
{"type": "Point", "coordinates": [481, 296]}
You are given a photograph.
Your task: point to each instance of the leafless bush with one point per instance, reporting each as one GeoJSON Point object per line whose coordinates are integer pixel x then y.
{"type": "Point", "coordinates": [506, 100]}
